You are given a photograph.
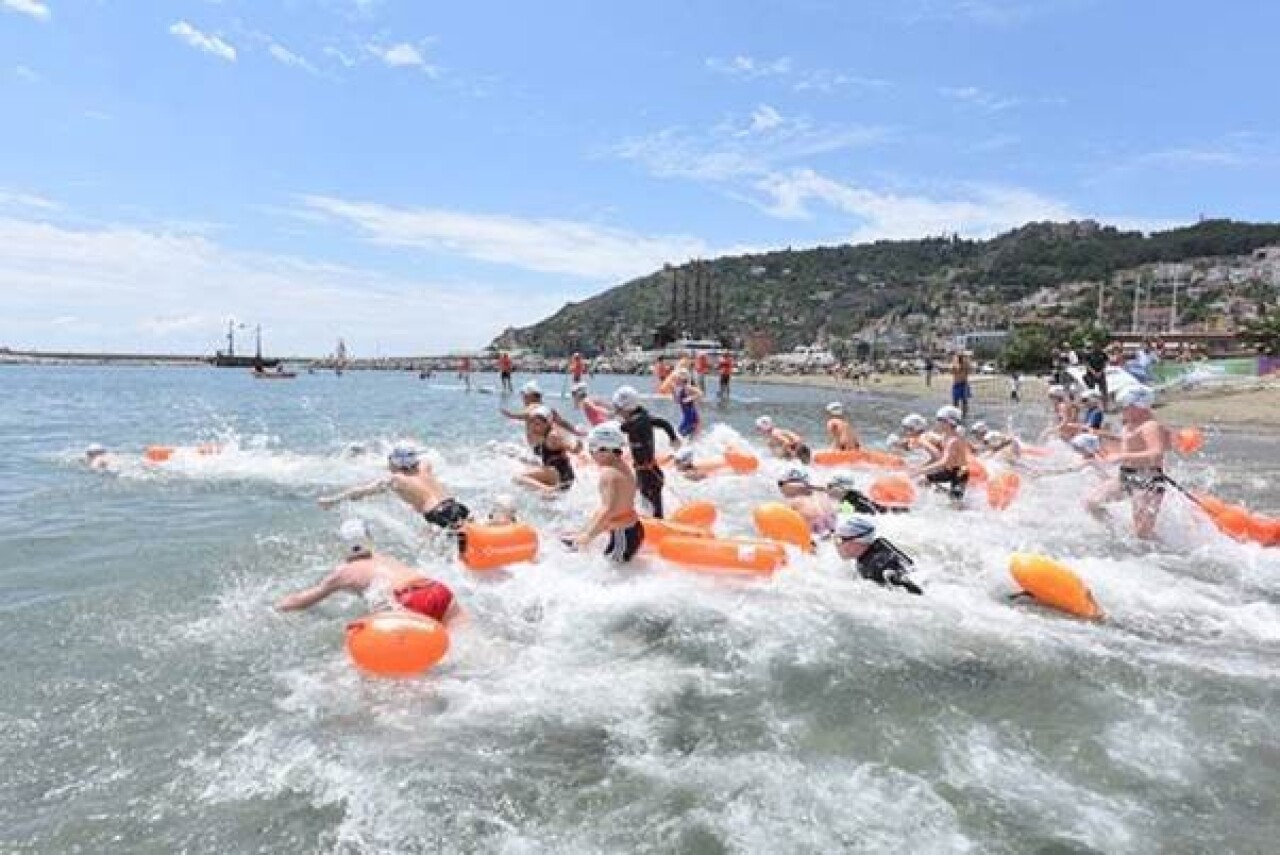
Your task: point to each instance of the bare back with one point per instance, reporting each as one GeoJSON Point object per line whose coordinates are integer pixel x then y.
{"type": "Point", "coordinates": [421, 490]}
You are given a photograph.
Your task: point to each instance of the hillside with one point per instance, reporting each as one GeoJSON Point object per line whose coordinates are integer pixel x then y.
{"type": "Point", "coordinates": [794, 297]}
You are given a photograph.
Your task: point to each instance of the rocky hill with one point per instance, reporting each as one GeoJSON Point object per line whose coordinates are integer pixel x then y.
{"type": "Point", "coordinates": [795, 297]}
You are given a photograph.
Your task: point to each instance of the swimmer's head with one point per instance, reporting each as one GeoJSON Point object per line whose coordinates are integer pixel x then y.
{"type": "Point", "coordinates": [578, 390]}
{"type": "Point", "coordinates": [625, 399]}
{"type": "Point", "coordinates": [914, 423]}
{"type": "Point", "coordinates": [606, 436]}
{"type": "Point", "coordinates": [357, 542]}
{"type": "Point", "coordinates": [893, 440]}
{"type": "Point", "coordinates": [683, 457]}
{"type": "Point", "coordinates": [978, 429]}
{"type": "Point", "coordinates": [794, 479]}
{"type": "Point", "coordinates": [1138, 397]}
{"type": "Point", "coordinates": [1057, 392]}
{"type": "Point", "coordinates": [541, 412]}
{"type": "Point", "coordinates": [835, 408]}
{"type": "Point", "coordinates": [950, 416]}
{"type": "Point", "coordinates": [842, 482]}
{"type": "Point", "coordinates": [503, 511]}
{"type": "Point", "coordinates": [1091, 395]}
{"type": "Point", "coordinates": [995, 439]}
{"type": "Point", "coordinates": [1087, 444]}
{"type": "Point", "coordinates": [852, 529]}
{"type": "Point", "coordinates": [764, 424]}
{"type": "Point", "coordinates": [94, 450]}
{"type": "Point", "coordinates": [531, 389]}
{"type": "Point", "coordinates": [403, 458]}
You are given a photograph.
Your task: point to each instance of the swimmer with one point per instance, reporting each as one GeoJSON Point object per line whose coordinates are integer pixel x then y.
{"type": "Point", "coordinates": [915, 435]}
{"type": "Point", "coordinates": [367, 571]}
{"type": "Point", "coordinates": [593, 409]}
{"type": "Point", "coordinates": [1143, 445]}
{"type": "Point", "coordinates": [816, 507]}
{"type": "Point", "coordinates": [503, 511]}
{"type": "Point", "coordinates": [554, 471]}
{"type": "Point", "coordinates": [878, 560]}
{"type": "Point", "coordinates": [530, 397]}
{"type": "Point", "coordinates": [1094, 415]}
{"type": "Point", "coordinates": [617, 512]}
{"type": "Point", "coordinates": [413, 480]}
{"type": "Point", "coordinates": [638, 425]}
{"type": "Point", "coordinates": [843, 489]}
{"type": "Point", "coordinates": [686, 396]}
{"type": "Point", "coordinates": [951, 468]}
{"type": "Point", "coordinates": [97, 458]}
{"type": "Point", "coordinates": [685, 465]}
{"type": "Point", "coordinates": [786, 444]}
{"type": "Point", "coordinates": [1002, 447]}
{"type": "Point", "coordinates": [1065, 413]}
{"type": "Point", "coordinates": [838, 428]}
{"type": "Point", "coordinates": [977, 437]}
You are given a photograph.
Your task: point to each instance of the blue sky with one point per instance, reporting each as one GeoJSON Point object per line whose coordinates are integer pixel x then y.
{"type": "Point", "coordinates": [416, 176]}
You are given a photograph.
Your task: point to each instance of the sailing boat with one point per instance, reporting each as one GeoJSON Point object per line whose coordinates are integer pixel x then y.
{"type": "Point", "coordinates": [229, 359]}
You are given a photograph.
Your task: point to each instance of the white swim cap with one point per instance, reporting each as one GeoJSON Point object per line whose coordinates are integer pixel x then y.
{"type": "Point", "coordinates": [843, 481]}
{"type": "Point", "coordinates": [578, 388]}
{"type": "Point", "coordinates": [1143, 397]}
{"type": "Point", "coordinates": [950, 415]}
{"type": "Point", "coordinates": [684, 456]}
{"type": "Point", "coordinates": [1090, 394]}
{"type": "Point", "coordinates": [892, 440]}
{"type": "Point", "coordinates": [356, 538]}
{"type": "Point", "coordinates": [995, 437]}
{"type": "Point", "coordinates": [858, 529]}
{"type": "Point", "coordinates": [1086, 443]}
{"type": "Point", "coordinates": [607, 436]}
{"type": "Point", "coordinates": [539, 411]}
{"type": "Point", "coordinates": [403, 458]}
{"type": "Point", "coordinates": [914, 422]}
{"type": "Point", "coordinates": [794, 475]}
{"type": "Point", "coordinates": [1056, 391]}
{"type": "Point", "coordinates": [626, 398]}
{"type": "Point", "coordinates": [978, 427]}
{"type": "Point", "coordinates": [505, 502]}
{"type": "Point", "coordinates": [764, 423]}
{"type": "Point", "coordinates": [531, 388]}
{"type": "Point", "coordinates": [835, 408]}
{"type": "Point", "coordinates": [95, 449]}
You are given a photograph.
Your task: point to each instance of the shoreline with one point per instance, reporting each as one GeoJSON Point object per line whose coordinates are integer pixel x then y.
{"type": "Point", "coordinates": [1252, 405]}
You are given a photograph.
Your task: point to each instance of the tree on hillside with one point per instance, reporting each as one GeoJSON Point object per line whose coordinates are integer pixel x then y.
{"type": "Point", "coordinates": [1029, 349]}
{"type": "Point", "coordinates": [1264, 333]}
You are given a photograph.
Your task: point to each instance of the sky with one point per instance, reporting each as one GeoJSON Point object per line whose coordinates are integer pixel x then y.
{"type": "Point", "coordinates": [416, 176]}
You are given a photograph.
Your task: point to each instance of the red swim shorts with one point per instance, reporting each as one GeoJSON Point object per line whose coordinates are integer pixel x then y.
{"type": "Point", "coordinates": [426, 597]}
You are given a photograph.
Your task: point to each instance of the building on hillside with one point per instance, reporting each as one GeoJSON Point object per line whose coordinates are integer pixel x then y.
{"type": "Point", "coordinates": [982, 342]}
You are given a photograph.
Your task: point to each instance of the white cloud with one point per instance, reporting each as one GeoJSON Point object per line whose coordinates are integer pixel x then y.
{"type": "Point", "coordinates": [11, 199]}
{"type": "Point", "coordinates": [979, 98]}
{"type": "Point", "coordinates": [200, 41]}
{"type": "Point", "coordinates": [129, 288]}
{"type": "Point", "coordinates": [340, 56]}
{"type": "Point", "coordinates": [749, 68]}
{"type": "Point", "coordinates": [765, 118]}
{"type": "Point", "coordinates": [403, 55]}
{"type": "Point", "coordinates": [579, 249]}
{"type": "Point", "coordinates": [31, 8]}
{"type": "Point", "coordinates": [23, 73]}
{"type": "Point", "coordinates": [826, 81]}
{"type": "Point", "coordinates": [287, 57]}
{"type": "Point", "coordinates": [977, 211]}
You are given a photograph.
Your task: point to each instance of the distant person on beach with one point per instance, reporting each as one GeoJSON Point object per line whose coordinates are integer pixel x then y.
{"type": "Point", "coordinates": [367, 571]}
{"type": "Point", "coordinates": [617, 515]}
{"type": "Point", "coordinates": [415, 483]}
{"type": "Point", "coordinates": [951, 469]}
{"type": "Point", "coordinates": [1095, 375]}
{"type": "Point", "coordinates": [464, 371]}
{"type": "Point", "coordinates": [960, 390]}
{"type": "Point", "coordinates": [553, 471]}
{"type": "Point", "coordinates": [504, 371]}
{"type": "Point", "coordinates": [929, 367]}
{"type": "Point", "coordinates": [637, 425]}
{"type": "Point", "coordinates": [877, 559]}
{"type": "Point", "coordinates": [530, 397]}
{"type": "Point", "coordinates": [686, 397]}
{"type": "Point", "coordinates": [701, 368]}
{"type": "Point", "coordinates": [839, 430]}
{"type": "Point", "coordinates": [1143, 445]}
{"type": "Point", "coordinates": [817, 508]}
{"type": "Point", "coordinates": [786, 444]}
{"type": "Point", "coordinates": [577, 368]}
{"type": "Point", "coordinates": [726, 373]}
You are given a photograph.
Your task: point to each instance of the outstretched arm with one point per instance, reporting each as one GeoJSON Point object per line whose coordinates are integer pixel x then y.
{"type": "Point", "coordinates": [519, 417]}
{"type": "Point", "coordinates": [308, 597]}
{"type": "Point", "coordinates": [355, 493]}
{"type": "Point", "coordinates": [665, 426]}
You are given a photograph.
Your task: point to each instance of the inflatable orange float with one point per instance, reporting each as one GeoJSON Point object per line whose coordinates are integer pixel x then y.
{"type": "Point", "coordinates": [700, 514]}
{"type": "Point", "coordinates": [781, 523]}
{"type": "Point", "coordinates": [488, 547]}
{"type": "Point", "coordinates": [396, 643]}
{"type": "Point", "coordinates": [724, 555]}
{"type": "Point", "coordinates": [1053, 584]}
{"type": "Point", "coordinates": [894, 491]}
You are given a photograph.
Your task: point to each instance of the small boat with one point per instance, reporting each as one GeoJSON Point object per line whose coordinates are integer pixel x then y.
{"type": "Point", "coordinates": [278, 374]}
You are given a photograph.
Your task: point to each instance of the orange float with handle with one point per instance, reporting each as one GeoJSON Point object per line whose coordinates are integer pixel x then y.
{"type": "Point", "coordinates": [1002, 489]}
{"type": "Point", "coordinates": [699, 514]}
{"type": "Point", "coordinates": [1053, 584]}
{"type": "Point", "coordinates": [893, 491]}
{"type": "Point", "coordinates": [488, 547]}
{"type": "Point", "coordinates": [857, 457]}
{"type": "Point", "coordinates": [741, 462]}
{"type": "Point", "coordinates": [781, 523]}
{"type": "Point", "coordinates": [1188, 440]}
{"type": "Point", "coordinates": [724, 555]}
{"type": "Point", "coordinates": [657, 530]}
{"type": "Point", "coordinates": [396, 643]}
{"type": "Point", "coordinates": [158, 453]}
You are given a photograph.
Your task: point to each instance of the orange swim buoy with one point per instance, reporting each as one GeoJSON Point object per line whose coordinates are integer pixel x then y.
{"type": "Point", "coordinates": [1260, 529]}
{"type": "Point", "coordinates": [1188, 440]}
{"type": "Point", "coordinates": [894, 491]}
{"type": "Point", "coordinates": [884, 459]}
{"type": "Point", "coordinates": [724, 555]}
{"type": "Point", "coordinates": [1212, 504]}
{"type": "Point", "coordinates": [700, 514]}
{"type": "Point", "coordinates": [779, 522]}
{"type": "Point", "coordinates": [656, 531]}
{"type": "Point", "coordinates": [1002, 489]}
{"type": "Point", "coordinates": [1053, 584]}
{"type": "Point", "coordinates": [396, 643]}
{"type": "Point", "coordinates": [977, 469]}
{"type": "Point", "coordinates": [837, 456]}
{"type": "Point", "coordinates": [488, 547]}
{"type": "Point", "coordinates": [1234, 521]}
{"type": "Point", "coordinates": [741, 462]}
{"type": "Point", "coordinates": [158, 453]}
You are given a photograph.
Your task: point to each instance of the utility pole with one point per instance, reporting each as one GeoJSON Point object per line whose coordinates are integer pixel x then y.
{"type": "Point", "coordinates": [1173, 310]}
{"type": "Point", "coordinates": [1137, 295]}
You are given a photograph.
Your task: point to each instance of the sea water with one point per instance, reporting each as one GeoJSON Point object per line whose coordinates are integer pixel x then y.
{"type": "Point", "coordinates": [154, 702]}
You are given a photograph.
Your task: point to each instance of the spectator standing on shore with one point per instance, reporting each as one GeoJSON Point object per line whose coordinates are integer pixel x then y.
{"type": "Point", "coordinates": [504, 371]}
{"type": "Point", "coordinates": [929, 368]}
{"type": "Point", "coordinates": [1095, 362]}
{"type": "Point", "coordinates": [576, 368]}
{"type": "Point", "coordinates": [726, 373]}
{"type": "Point", "coordinates": [464, 371]}
{"type": "Point", "coordinates": [960, 390]}
{"type": "Point", "coordinates": [1015, 386]}
{"type": "Point", "coordinates": [702, 367]}
{"type": "Point", "coordinates": [661, 369]}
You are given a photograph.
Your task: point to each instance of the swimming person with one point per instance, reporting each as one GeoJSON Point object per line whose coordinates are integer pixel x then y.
{"type": "Point", "coordinates": [554, 471]}
{"type": "Point", "coordinates": [815, 506]}
{"type": "Point", "coordinates": [617, 513]}
{"type": "Point", "coordinates": [97, 458]}
{"type": "Point", "coordinates": [594, 410]}
{"type": "Point", "coordinates": [877, 559]}
{"type": "Point", "coordinates": [413, 481]}
{"type": "Point", "coordinates": [686, 396]}
{"type": "Point", "coordinates": [365, 570]}
{"type": "Point", "coordinates": [530, 397]}
{"type": "Point", "coordinates": [638, 425]}
{"type": "Point", "coordinates": [503, 510]}
{"type": "Point", "coordinates": [951, 468]}
{"type": "Point", "coordinates": [839, 430]}
{"type": "Point", "coordinates": [1141, 479]}
{"type": "Point", "coordinates": [786, 444]}
{"type": "Point", "coordinates": [843, 489]}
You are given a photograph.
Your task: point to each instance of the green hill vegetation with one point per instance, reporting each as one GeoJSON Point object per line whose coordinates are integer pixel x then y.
{"type": "Point", "coordinates": [796, 297]}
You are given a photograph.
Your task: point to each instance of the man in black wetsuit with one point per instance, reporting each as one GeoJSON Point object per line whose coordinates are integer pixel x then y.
{"type": "Point", "coordinates": [878, 560]}
{"type": "Point", "coordinates": [1096, 370]}
{"type": "Point", "coordinates": [638, 425]}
